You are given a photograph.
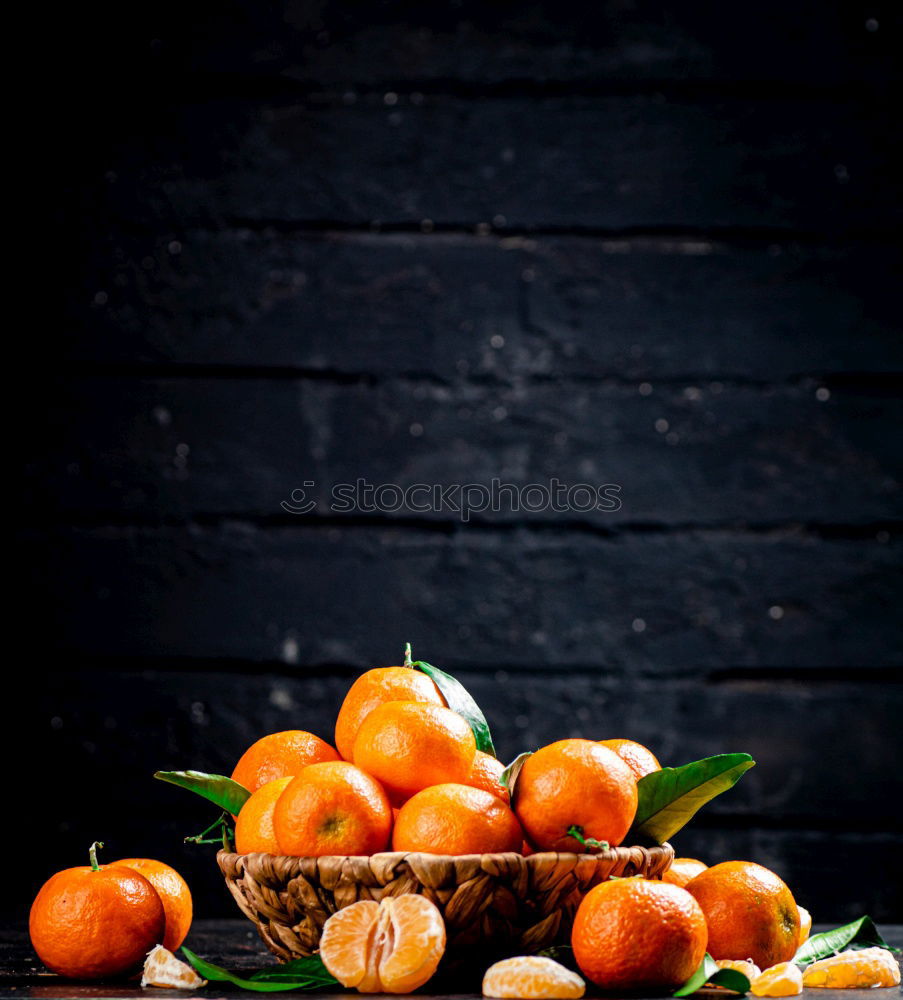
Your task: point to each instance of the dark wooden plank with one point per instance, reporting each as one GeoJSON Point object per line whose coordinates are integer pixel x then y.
{"type": "Point", "coordinates": [608, 162]}
{"type": "Point", "coordinates": [230, 942]}
{"type": "Point", "coordinates": [690, 454]}
{"type": "Point", "coordinates": [816, 800]}
{"type": "Point", "coordinates": [658, 604]}
{"type": "Point", "coordinates": [366, 44]}
{"type": "Point", "coordinates": [393, 304]}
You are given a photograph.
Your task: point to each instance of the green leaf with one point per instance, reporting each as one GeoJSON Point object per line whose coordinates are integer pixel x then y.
{"type": "Point", "coordinates": [861, 933]}
{"type": "Point", "coordinates": [671, 797]}
{"type": "Point", "coordinates": [219, 789]}
{"type": "Point", "coordinates": [708, 972]}
{"type": "Point", "coordinates": [508, 777]}
{"type": "Point", "coordinates": [302, 974]}
{"type": "Point", "coordinates": [459, 700]}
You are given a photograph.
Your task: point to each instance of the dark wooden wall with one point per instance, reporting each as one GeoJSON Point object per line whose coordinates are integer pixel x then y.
{"type": "Point", "coordinates": [634, 243]}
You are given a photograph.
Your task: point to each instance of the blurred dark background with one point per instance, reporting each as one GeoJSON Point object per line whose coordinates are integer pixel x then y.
{"type": "Point", "coordinates": [633, 243]}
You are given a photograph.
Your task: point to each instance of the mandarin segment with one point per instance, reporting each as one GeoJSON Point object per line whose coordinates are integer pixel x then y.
{"type": "Point", "coordinates": [864, 969]}
{"type": "Point", "coordinates": [162, 968]}
{"type": "Point", "coordinates": [393, 946]}
{"type": "Point", "coordinates": [641, 760]}
{"type": "Point", "coordinates": [174, 895]}
{"type": "Point", "coordinates": [575, 783]}
{"type": "Point", "coordinates": [456, 819]}
{"type": "Point", "coordinates": [805, 925]}
{"type": "Point", "coordinates": [532, 977]}
{"type": "Point", "coordinates": [332, 808]}
{"type": "Point", "coordinates": [254, 830]}
{"type": "Point", "coordinates": [408, 746]}
{"type": "Point", "coordinates": [633, 934]}
{"type": "Point", "coordinates": [280, 755]}
{"type": "Point", "coordinates": [749, 911]}
{"type": "Point", "coordinates": [781, 980]}
{"type": "Point", "coordinates": [749, 969]}
{"type": "Point", "coordinates": [374, 688]}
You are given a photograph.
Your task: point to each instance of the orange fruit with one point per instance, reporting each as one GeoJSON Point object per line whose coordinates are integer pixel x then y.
{"type": "Point", "coordinates": [280, 755]}
{"type": "Point", "coordinates": [749, 911]}
{"type": "Point", "coordinates": [392, 946]}
{"type": "Point", "coordinates": [485, 773]}
{"type": "Point", "coordinates": [407, 746]}
{"type": "Point", "coordinates": [638, 758]}
{"type": "Point", "coordinates": [456, 819]}
{"type": "Point", "coordinates": [174, 895]}
{"type": "Point", "coordinates": [532, 977]}
{"type": "Point", "coordinates": [683, 870]}
{"type": "Point", "coordinates": [805, 925]}
{"type": "Point", "coordinates": [254, 826]}
{"type": "Point", "coordinates": [782, 980]}
{"type": "Point", "coordinates": [575, 783]}
{"type": "Point", "coordinates": [865, 969]}
{"type": "Point", "coordinates": [374, 688]}
{"type": "Point", "coordinates": [332, 808]}
{"type": "Point", "coordinates": [634, 933]}
{"type": "Point", "coordinates": [96, 921]}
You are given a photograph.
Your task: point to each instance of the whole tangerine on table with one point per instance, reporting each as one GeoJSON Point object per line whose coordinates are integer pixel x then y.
{"type": "Point", "coordinates": [332, 808]}
{"type": "Point", "coordinates": [254, 830]}
{"type": "Point", "coordinates": [575, 783]}
{"type": "Point", "coordinates": [683, 870]}
{"type": "Point", "coordinates": [96, 921]}
{"type": "Point", "coordinates": [174, 895]}
{"type": "Point", "coordinates": [633, 933]}
{"type": "Point", "coordinates": [641, 760]}
{"type": "Point", "coordinates": [280, 755]}
{"type": "Point", "coordinates": [750, 913]}
{"type": "Point", "coordinates": [408, 746]}
{"type": "Point", "coordinates": [375, 688]}
{"type": "Point", "coordinates": [456, 819]}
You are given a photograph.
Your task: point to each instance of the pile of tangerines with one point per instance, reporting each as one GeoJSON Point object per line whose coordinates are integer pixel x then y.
{"type": "Point", "coordinates": [405, 774]}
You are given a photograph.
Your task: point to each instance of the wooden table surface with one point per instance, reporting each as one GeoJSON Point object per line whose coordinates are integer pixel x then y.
{"type": "Point", "coordinates": [234, 944]}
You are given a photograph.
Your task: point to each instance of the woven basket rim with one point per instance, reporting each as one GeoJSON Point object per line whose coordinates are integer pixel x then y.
{"type": "Point", "coordinates": [425, 858]}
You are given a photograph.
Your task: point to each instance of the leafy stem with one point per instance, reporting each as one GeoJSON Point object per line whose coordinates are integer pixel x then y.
{"type": "Point", "coordinates": [224, 836]}
{"type": "Point", "coordinates": [577, 833]}
{"type": "Point", "coordinates": [92, 854]}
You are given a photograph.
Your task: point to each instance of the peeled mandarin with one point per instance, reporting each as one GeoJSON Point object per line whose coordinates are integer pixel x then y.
{"type": "Point", "coordinates": [865, 969]}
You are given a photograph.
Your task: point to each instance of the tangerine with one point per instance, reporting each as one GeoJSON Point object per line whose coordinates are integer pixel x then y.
{"type": "Point", "coordinates": [641, 760]}
{"type": "Point", "coordinates": [683, 870]}
{"type": "Point", "coordinates": [485, 773]}
{"type": "Point", "coordinates": [280, 755]}
{"type": "Point", "coordinates": [456, 819]}
{"type": "Point", "coordinates": [575, 783]}
{"type": "Point", "coordinates": [633, 933]}
{"type": "Point", "coordinates": [532, 977]}
{"type": "Point", "coordinates": [407, 746]}
{"type": "Point", "coordinates": [864, 969]}
{"type": "Point", "coordinates": [749, 911]}
{"type": "Point", "coordinates": [254, 829]}
{"type": "Point", "coordinates": [332, 808]}
{"type": "Point", "coordinates": [374, 688]}
{"type": "Point", "coordinates": [392, 946]}
{"type": "Point", "coordinates": [96, 921]}
{"type": "Point", "coordinates": [174, 895]}
{"type": "Point", "coordinates": [781, 980]}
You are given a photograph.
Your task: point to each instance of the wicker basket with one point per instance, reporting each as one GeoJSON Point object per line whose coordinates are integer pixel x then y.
{"type": "Point", "coordinates": [518, 904]}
